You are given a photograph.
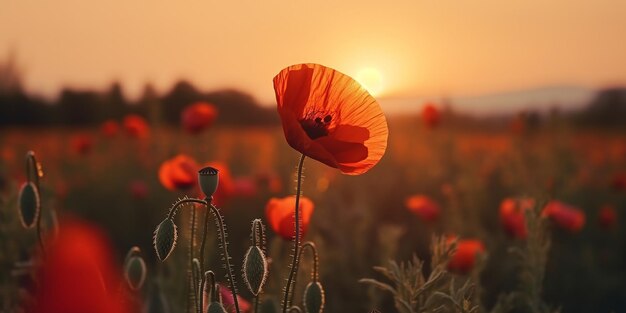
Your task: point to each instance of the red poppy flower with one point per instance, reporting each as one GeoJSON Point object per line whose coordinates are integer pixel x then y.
{"type": "Point", "coordinates": [328, 116]}
{"type": "Point", "coordinates": [513, 216]}
{"type": "Point", "coordinates": [81, 144]}
{"type": "Point", "coordinates": [110, 128]}
{"type": "Point", "coordinates": [197, 117]}
{"type": "Point", "coordinates": [424, 207]}
{"type": "Point", "coordinates": [179, 172]}
{"type": "Point", "coordinates": [280, 215]}
{"type": "Point", "coordinates": [136, 126]}
{"type": "Point", "coordinates": [564, 216]}
{"type": "Point", "coordinates": [607, 217]}
{"type": "Point", "coordinates": [463, 259]}
{"type": "Point", "coordinates": [229, 302]}
{"type": "Point", "coordinates": [430, 115]}
{"type": "Point", "coordinates": [79, 274]}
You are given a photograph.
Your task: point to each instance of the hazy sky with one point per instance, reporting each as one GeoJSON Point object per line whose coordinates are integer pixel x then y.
{"type": "Point", "coordinates": [418, 47]}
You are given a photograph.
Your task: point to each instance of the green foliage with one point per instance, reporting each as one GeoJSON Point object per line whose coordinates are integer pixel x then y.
{"type": "Point", "coordinates": [532, 258]}
{"type": "Point", "coordinates": [414, 292]}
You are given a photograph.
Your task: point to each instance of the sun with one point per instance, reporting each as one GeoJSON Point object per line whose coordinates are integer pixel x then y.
{"type": "Point", "coordinates": [371, 79]}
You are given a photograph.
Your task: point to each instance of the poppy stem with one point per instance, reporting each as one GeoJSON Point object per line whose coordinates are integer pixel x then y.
{"type": "Point", "coordinates": [192, 276]}
{"type": "Point", "coordinates": [221, 234]}
{"type": "Point", "coordinates": [32, 171]}
{"type": "Point", "coordinates": [206, 229]}
{"type": "Point", "coordinates": [296, 243]}
{"type": "Point", "coordinates": [192, 279]}
{"type": "Point", "coordinates": [204, 233]}
{"type": "Point", "coordinates": [224, 243]}
{"type": "Point", "coordinates": [314, 272]}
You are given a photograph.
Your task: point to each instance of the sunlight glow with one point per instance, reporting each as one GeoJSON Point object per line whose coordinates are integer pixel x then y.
{"type": "Point", "coordinates": [371, 79]}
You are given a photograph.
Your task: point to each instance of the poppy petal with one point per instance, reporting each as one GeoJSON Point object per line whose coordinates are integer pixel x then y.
{"type": "Point", "coordinates": [316, 103]}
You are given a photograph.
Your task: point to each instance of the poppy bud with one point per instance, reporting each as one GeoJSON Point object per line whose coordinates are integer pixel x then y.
{"type": "Point", "coordinates": [216, 307]}
{"type": "Point", "coordinates": [165, 237]}
{"type": "Point", "coordinates": [29, 204]}
{"type": "Point", "coordinates": [208, 180]}
{"type": "Point", "coordinates": [314, 298]}
{"type": "Point", "coordinates": [135, 269]}
{"type": "Point", "coordinates": [255, 269]}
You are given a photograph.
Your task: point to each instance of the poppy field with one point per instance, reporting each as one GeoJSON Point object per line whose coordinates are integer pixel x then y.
{"type": "Point", "coordinates": [339, 208]}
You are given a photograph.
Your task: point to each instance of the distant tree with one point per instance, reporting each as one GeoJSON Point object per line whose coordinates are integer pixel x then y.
{"type": "Point", "coordinates": [78, 107]}
{"type": "Point", "coordinates": [10, 75]}
{"type": "Point", "coordinates": [114, 103]}
{"type": "Point", "coordinates": [607, 109]}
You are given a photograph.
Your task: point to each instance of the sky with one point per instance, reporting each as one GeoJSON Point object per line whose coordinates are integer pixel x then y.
{"type": "Point", "coordinates": [403, 48]}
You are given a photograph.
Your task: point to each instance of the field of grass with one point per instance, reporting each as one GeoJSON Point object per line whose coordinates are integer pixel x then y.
{"type": "Point", "coordinates": [358, 222]}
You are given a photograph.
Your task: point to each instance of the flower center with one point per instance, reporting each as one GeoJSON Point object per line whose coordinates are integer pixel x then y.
{"type": "Point", "coordinates": [316, 127]}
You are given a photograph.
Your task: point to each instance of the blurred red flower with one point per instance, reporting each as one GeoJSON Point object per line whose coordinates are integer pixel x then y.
{"type": "Point", "coordinates": [607, 217]}
{"type": "Point", "coordinates": [513, 216]}
{"type": "Point", "coordinates": [270, 181]}
{"type": "Point", "coordinates": [564, 216]}
{"type": "Point", "coordinates": [136, 126]}
{"type": "Point", "coordinates": [279, 213]}
{"type": "Point", "coordinates": [81, 144]}
{"type": "Point", "coordinates": [197, 117]}
{"type": "Point", "coordinates": [138, 189]}
{"type": "Point", "coordinates": [79, 274]}
{"type": "Point", "coordinates": [229, 302]}
{"type": "Point", "coordinates": [179, 173]}
{"type": "Point", "coordinates": [619, 182]}
{"type": "Point", "coordinates": [463, 259]}
{"type": "Point", "coordinates": [245, 186]}
{"type": "Point", "coordinates": [328, 116]}
{"type": "Point", "coordinates": [518, 124]}
{"type": "Point", "coordinates": [424, 207]}
{"type": "Point", "coordinates": [430, 115]}
{"type": "Point", "coordinates": [110, 128]}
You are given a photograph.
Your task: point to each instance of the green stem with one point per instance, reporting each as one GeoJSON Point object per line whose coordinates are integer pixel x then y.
{"type": "Point", "coordinates": [171, 214]}
{"type": "Point", "coordinates": [193, 279]}
{"type": "Point", "coordinates": [256, 304]}
{"type": "Point", "coordinates": [295, 309]}
{"type": "Point", "coordinates": [314, 273]}
{"type": "Point", "coordinates": [180, 202]}
{"type": "Point", "coordinates": [31, 165]}
{"type": "Point", "coordinates": [229, 269]}
{"type": "Point", "coordinates": [222, 237]}
{"type": "Point", "coordinates": [296, 244]}
{"type": "Point", "coordinates": [204, 235]}
{"type": "Point", "coordinates": [206, 229]}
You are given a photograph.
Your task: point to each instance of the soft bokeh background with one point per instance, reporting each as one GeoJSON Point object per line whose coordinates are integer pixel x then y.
{"type": "Point", "coordinates": [530, 97]}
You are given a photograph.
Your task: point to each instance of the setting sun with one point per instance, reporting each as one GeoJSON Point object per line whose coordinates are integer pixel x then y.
{"type": "Point", "coordinates": [371, 79]}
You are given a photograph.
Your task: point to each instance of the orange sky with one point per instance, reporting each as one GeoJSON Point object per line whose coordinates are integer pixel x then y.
{"type": "Point", "coordinates": [420, 47]}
